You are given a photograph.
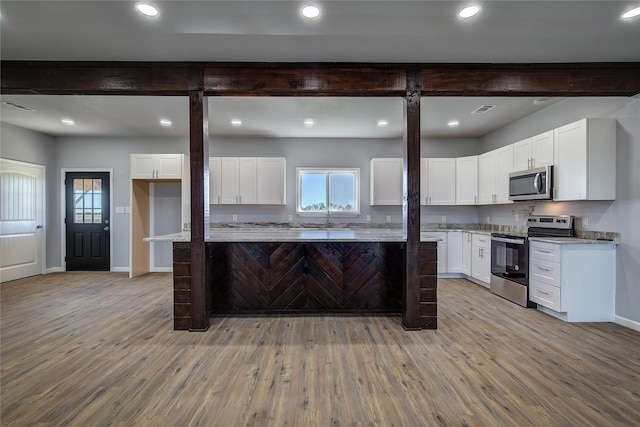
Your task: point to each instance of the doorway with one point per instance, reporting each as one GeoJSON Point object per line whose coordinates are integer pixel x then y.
{"type": "Point", "coordinates": [21, 220]}
{"type": "Point", "coordinates": [87, 220]}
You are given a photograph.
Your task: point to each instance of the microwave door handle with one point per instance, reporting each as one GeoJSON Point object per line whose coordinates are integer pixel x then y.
{"type": "Point", "coordinates": [537, 182]}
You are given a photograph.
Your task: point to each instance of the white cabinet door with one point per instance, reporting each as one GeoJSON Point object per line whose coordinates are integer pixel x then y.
{"type": "Point", "coordinates": [504, 166]}
{"type": "Point", "coordinates": [481, 257]}
{"type": "Point", "coordinates": [467, 180]}
{"type": "Point", "coordinates": [442, 249]}
{"type": "Point", "coordinates": [143, 166]}
{"type": "Point", "coordinates": [424, 181]}
{"type": "Point", "coordinates": [271, 184]}
{"type": "Point", "coordinates": [541, 150]}
{"type": "Point", "coordinates": [215, 180]}
{"type": "Point", "coordinates": [438, 181]}
{"type": "Point", "coordinates": [229, 172]}
{"type": "Point", "coordinates": [585, 160]}
{"type": "Point", "coordinates": [454, 252]}
{"type": "Point", "coordinates": [442, 181]}
{"type": "Point", "coordinates": [247, 183]}
{"type": "Point", "coordinates": [169, 166]}
{"type": "Point", "coordinates": [486, 178]}
{"type": "Point", "coordinates": [522, 155]}
{"type": "Point", "coordinates": [386, 181]}
{"type": "Point", "coordinates": [156, 166]}
{"type": "Point", "coordinates": [466, 253]}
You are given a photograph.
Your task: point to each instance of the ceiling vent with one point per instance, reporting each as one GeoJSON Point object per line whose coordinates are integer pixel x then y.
{"type": "Point", "coordinates": [483, 109]}
{"type": "Point", "coordinates": [18, 106]}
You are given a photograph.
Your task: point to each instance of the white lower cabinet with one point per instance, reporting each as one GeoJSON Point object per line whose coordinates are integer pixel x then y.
{"type": "Point", "coordinates": [574, 282]}
{"type": "Point", "coordinates": [481, 258]}
{"type": "Point", "coordinates": [466, 253]}
{"type": "Point", "coordinates": [442, 248]}
{"type": "Point", "coordinates": [454, 252]}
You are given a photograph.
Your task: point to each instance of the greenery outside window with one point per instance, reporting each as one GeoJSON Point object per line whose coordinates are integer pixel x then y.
{"type": "Point", "coordinates": [323, 192]}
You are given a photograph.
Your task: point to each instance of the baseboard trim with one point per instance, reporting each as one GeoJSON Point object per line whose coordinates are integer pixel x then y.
{"type": "Point", "coordinates": [632, 324]}
{"type": "Point", "coordinates": [53, 270]}
{"type": "Point", "coordinates": [162, 270]}
{"type": "Point", "coordinates": [119, 269]}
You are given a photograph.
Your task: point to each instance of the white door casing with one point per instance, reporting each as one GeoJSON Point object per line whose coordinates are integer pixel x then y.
{"type": "Point", "coordinates": [22, 207]}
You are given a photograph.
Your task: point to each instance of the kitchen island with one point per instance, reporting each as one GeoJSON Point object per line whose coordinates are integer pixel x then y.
{"type": "Point", "coordinates": [305, 271]}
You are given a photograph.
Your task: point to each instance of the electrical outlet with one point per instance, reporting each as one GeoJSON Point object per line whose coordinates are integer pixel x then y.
{"type": "Point", "coordinates": [488, 220]}
{"type": "Point", "coordinates": [517, 217]}
{"type": "Point", "coordinates": [444, 218]}
{"type": "Point", "coordinates": [368, 218]}
{"type": "Point", "coordinates": [585, 222]}
{"type": "Point", "coordinates": [290, 217]}
{"type": "Point", "coordinates": [388, 218]}
{"type": "Point", "coordinates": [235, 218]}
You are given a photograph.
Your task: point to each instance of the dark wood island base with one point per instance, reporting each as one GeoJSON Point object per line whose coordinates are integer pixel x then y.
{"type": "Point", "coordinates": [308, 278]}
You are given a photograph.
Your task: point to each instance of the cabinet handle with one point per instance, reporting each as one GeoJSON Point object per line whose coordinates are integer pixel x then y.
{"type": "Point", "coordinates": [543, 268]}
{"type": "Point", "coordinates": [543, 251]}
{"type": "Point", "coordinates": [543, 292]}
{"type": "Point", "coordinates": [474, 200]}
{"type": "Point", "coordinates": [218, 199]}
{"type": "Point", "coordinates": [240, 196]}
{"type": "Point", "coordinates": [533, 162]}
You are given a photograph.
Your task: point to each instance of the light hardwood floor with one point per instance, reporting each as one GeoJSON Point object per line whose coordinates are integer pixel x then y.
{"type": "Point", "coordinates": [80, 349]}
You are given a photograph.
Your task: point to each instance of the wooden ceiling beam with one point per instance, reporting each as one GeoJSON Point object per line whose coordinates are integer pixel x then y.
{"type": "Point", "coordinates": [317, 79]}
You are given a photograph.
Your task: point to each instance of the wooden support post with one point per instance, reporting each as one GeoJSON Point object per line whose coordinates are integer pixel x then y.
{"type": "Point", "coordinates": [411, 202]}
{"type": "Point", "coordinates": [199, 161]}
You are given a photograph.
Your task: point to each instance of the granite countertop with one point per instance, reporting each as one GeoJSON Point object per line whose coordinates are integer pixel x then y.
{"type": "Point", "coordinates": [295, 235]}
{"type": "Point", "coordinates": [572, 241]}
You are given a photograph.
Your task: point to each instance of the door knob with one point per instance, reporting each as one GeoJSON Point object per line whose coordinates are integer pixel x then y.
{"type": "Point", "coordinates": [106, 228]}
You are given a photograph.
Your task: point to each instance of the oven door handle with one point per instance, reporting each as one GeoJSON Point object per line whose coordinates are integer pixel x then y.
{"type": "Point", "coordinates": [507, 240]}
{"type": "Point", "coordinates": [537, 182]}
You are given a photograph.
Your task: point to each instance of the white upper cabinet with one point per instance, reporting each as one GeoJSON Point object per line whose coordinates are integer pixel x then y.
{"type": "Point", "coordinates": [438, 181]}
{"type": "Point", "coordinates": [247, 180]}
{"type": "Point", "coordinates": [494, 168]}
{"type": "Point", "coordinates": [585, 160]}
{"type": "Point", "coordinates": [467, 180]}
{"type": "Point", "coordinates": [386, 181]}
{"type": "Point", "coordinates": [534, 152]}
{"type": "Point", "coordinates": [215, 180]}
{"type": "Point", "coordinates": [271, 182]}
{"type": "Point", "coordinates": [156, 166]}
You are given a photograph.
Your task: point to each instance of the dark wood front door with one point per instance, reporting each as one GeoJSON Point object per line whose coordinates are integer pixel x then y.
{"type": "Point", "coordinates": [87, 220]}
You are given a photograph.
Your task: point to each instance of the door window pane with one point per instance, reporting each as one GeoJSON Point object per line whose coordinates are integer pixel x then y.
{"type": "Point", "coordinates": [87, 195]}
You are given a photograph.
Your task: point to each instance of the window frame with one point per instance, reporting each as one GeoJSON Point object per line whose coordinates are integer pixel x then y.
{"type": "Point", "coordinates": [328, 212]}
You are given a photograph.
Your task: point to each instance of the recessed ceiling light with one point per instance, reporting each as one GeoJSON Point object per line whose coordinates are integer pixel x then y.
{"type": "Point", "coordinates": [146, 9]}
{"type": "Point", "coordinates": [453, 123]}
{"type": "Point", "coordinates": [631, 13]}
{"type": "Point", "coordinates": [68, 122]}
{"type": "Point", "coordinates": [308, 122]}
{"type": "Point", "coordinates": [469, 11]}
{"type": "Point", "coordinates": [310, 11]}
{"type": "Point", "coordinates": [165, 122]}
{"type": "Point", "coordinates": [236, 122]}
{"type": "Point", "coordinates": [382, 123]}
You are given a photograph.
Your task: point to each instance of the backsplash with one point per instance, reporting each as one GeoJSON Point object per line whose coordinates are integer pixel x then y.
{"type": "Point", "coordinates": [497, 228]}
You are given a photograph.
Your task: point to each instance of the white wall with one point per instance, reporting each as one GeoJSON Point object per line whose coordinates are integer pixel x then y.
{"type": "Point", "coordinates": [619, 216]}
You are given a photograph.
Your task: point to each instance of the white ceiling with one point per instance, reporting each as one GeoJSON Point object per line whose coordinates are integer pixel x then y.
{"type": "Point", "coordinates": [347, 31]}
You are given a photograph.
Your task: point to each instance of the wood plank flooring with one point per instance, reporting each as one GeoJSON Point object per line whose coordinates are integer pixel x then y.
{"type": "Point", "coordinates": [80, 349]}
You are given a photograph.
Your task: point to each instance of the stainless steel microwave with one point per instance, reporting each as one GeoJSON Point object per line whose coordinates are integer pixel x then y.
{"type": "Point", "coordinates": [531, 184]}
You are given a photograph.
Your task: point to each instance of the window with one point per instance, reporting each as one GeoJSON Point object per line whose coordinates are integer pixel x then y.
{"type": "Point", "coordinates": [87, 199]}
{"type": "Point", "coordinates": [328, 191]}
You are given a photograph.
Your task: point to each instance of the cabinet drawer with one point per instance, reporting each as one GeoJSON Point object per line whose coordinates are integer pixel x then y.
{"type": "Point", "coordinates": [545, 295]}
{"type": "Point", "coordinates": [544, 271]}
{"type": "Point", "coordinates": [545, 251]}
{"type": "Point", "coordinates": [481, 240]}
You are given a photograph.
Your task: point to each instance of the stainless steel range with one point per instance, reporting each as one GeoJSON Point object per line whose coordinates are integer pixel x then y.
{"type": "Point", "coordinates": [510, 255]}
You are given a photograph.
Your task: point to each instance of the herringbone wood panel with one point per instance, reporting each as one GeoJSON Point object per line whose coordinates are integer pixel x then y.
{"type": "Point", "coordinates": [323, 277]}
